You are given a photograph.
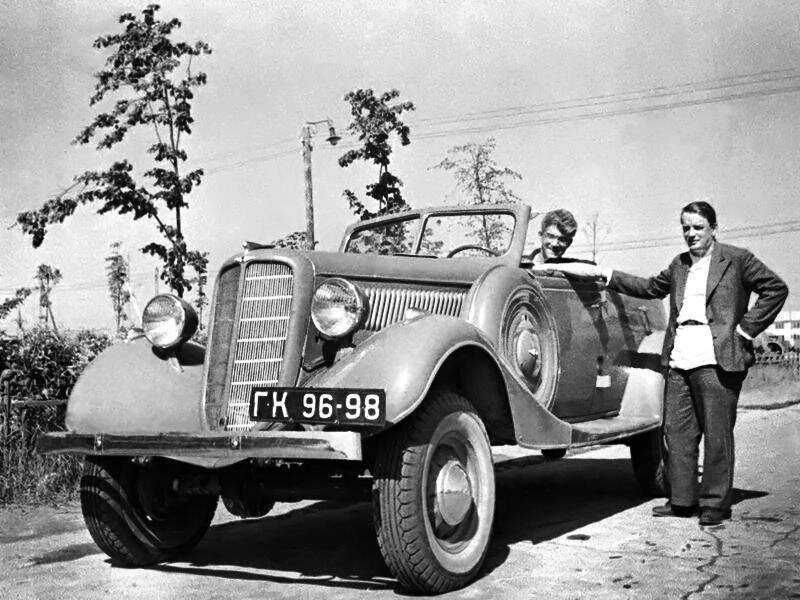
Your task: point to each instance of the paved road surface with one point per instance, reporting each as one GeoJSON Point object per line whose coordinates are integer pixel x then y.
{"type": "Point", "coordinates": [576, 528]}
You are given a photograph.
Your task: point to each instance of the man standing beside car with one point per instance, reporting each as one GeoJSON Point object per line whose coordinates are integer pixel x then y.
{"type": "Point", "coordinates": [708, 349]}
{"type": "Point", "coordinates": [556, 234]}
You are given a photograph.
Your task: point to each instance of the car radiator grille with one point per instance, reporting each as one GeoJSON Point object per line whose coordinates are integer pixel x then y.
{"type": "Point", "coordinates": [260, 337]}
{"type": "Point", "coordinates": [388, 302]}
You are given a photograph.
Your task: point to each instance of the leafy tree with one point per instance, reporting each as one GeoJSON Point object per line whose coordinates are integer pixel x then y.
{"type": "Point", "coordinates": [118, 278]}
{"type": "Point", "coordinates": [374, 122]}
{"type": "Point", "coordinates": [293, 241]}
{"type": "Point", "coordinates": [481, 181]}
{"type": "Point", "coordinates": [150, 78]}
{"type": "Point", "coordinates": [477, 174]}
{"type": "Point", "coordinates": [48, 278]}
{"type": "Point", "coordinates": [9, 304]}
{"type": "Point", "coordinates": [201, 300]}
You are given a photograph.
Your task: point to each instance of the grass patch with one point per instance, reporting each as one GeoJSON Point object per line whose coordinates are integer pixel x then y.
{"type": "Point", "coordinates": [29, 478]}
{"type": "Point", "coordinates": [770, 385]}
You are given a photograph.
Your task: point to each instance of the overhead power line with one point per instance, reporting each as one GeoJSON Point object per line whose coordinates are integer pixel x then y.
{"type": "Point", "coordinates": [639, 101]}
{"type": "Point", "coordinates": [687, 94]}
{"type": "Point", "coordinates": [738, 233]}
{"type": "Point", "coordinates": [708, 85]}
{"type": "Point", "coordinates": [631, 110]}
{"type": "Point", "coordinates": [143, 278]}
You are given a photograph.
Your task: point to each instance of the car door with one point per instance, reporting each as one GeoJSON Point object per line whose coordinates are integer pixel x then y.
{"type": "Point", "coordinates": [576, 306]}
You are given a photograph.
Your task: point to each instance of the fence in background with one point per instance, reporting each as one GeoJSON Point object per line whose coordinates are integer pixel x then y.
{"type": "Point", "coordinates": [787, 360]}
{"type": "Point", "coordinates": [8, 406]}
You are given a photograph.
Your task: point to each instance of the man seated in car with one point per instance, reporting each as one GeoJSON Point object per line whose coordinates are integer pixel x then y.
{"type": "Point", "coordinates": [557, 233]}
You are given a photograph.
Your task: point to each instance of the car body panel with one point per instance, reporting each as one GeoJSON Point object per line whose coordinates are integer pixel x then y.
{"type": "Point", "coordinates": [608, 386]}
{"type": "Point", "coordinates": [130, 388]}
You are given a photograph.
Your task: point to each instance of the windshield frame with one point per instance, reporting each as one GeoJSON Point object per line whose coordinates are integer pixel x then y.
{"type": "Point", "coordinates": [513, 255]}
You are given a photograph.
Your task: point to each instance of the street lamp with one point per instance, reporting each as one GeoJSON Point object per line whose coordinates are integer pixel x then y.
{"type": "Point", "coordinates": [308, 131]}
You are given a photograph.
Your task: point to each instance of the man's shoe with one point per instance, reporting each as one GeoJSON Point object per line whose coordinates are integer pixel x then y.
{"type": "Point", "coordinates": [714, 516]}
{"type": "Point", "coordinates": [674, 510]}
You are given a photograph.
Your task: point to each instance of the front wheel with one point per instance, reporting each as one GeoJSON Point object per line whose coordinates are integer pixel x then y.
{"type": "Point", "coordinates": [647, 458]}
{"type": "Point", "coordinates": [434, 494]}
{"type": "Point", "coordinates": [134, 515]}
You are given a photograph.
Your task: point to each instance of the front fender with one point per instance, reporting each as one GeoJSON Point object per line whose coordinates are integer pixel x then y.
{"type": "Point", "coordinates": [128, 388]}
{"type": "Point", "coordinates": [403, 359]}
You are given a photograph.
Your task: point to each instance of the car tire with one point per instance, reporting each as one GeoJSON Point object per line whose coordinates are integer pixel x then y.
{"type": "Point", "coordinates": [434, 495]}
{"type": "Point", "coordinates": [647, 458]}
{"type": "Point", "coordinates": [554, 453]}
{"type": "Point", "coordinates": [134, 516]}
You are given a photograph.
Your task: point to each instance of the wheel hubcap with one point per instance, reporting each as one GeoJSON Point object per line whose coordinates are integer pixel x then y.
{"type": "Point", "coordinates": [527, 349]}
{"type": "Point", "coordinates": [453, 493]}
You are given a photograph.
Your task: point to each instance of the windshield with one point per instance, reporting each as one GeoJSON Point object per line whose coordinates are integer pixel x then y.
{"type": "Point", "coordinates": [395, 237]}
{"type": "Point", "coordinates": [467, 235]}
{"type": "Point", "coordinates": [443, 236]}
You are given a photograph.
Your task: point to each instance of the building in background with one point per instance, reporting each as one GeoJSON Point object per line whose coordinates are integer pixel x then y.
{"type": "Point", "coordinates": [785, 330]}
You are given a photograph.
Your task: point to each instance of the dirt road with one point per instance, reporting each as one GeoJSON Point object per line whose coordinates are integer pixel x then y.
{"type": "Point", "coordinates": [575, 528]}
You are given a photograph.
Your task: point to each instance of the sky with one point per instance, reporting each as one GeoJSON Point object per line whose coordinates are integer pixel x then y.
{"type": "Point", "coordinates": [618, 111]}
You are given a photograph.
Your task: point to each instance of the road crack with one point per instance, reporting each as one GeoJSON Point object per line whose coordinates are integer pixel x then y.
{"type": "Point", "coordinates": [784, 536]}
{"type": "Point", "coordinates": [712, 561]}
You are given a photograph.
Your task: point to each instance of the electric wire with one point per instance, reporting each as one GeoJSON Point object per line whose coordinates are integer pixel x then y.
{"type": "Point", "coordinates": [740, 232]}
{"type": "Point", "coordinates": [663, 90]}
{"type": "Point", "coordinates": [763, 78]}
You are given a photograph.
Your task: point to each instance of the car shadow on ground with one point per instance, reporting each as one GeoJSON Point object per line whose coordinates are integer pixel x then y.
{"type": "Point", "coordinates": [333, 544]}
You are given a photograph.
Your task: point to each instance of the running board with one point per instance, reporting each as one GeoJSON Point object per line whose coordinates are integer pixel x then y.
{"type": "Point", "coordinates": [610, 429]}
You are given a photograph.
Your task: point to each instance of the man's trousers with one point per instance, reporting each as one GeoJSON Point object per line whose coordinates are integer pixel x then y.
{"type": "Point", "coordinates": [699, 403]}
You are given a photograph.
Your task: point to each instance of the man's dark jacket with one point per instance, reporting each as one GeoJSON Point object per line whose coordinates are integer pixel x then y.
{"type": "Point", "coordinates": [734, 273]}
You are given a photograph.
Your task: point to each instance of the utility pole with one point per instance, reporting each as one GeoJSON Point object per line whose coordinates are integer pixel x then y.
{"type": "Point", "coordinates": [306, 142]}
{"type": "Point", "coordinates": [308, 131]}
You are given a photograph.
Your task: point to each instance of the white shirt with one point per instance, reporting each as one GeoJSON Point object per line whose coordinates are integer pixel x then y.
{"type": "Point", "coordinates": [694, 344]}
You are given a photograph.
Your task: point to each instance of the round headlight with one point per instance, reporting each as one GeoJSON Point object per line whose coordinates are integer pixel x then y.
{"type": "Point", "coordinates": [338, 308]}
{"type": "Point", "coordinates": [168, 321]}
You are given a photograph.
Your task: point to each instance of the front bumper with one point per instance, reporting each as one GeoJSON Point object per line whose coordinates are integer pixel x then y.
{"type": "Point", "coordinates": [328, 445]}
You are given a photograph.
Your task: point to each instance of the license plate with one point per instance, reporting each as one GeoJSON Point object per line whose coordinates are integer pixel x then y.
{"type": "Point", "coordinates": [319, 405]}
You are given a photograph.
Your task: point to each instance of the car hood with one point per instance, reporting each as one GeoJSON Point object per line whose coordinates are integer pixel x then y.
{"type": "Point", "coordinates": [444, 271]}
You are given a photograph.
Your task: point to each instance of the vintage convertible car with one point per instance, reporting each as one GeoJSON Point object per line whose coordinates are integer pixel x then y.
{"type": "Point", "coordinates": [385, 371]}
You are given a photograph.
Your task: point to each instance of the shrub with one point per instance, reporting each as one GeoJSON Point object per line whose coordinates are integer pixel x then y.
{"type": "Point", "coordinates": [45, 366]}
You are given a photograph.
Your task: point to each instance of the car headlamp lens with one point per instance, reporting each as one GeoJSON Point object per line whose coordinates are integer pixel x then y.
{"type": "Point", "coordinates": [338, 308]}
{"type": "Point", "coordinates": [168, 321]}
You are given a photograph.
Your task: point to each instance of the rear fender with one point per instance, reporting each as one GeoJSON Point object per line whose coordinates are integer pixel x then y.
{"type": "Point", "coordinates": [129, 388]}
{"type": "Point", "coordinates": [644, 388]}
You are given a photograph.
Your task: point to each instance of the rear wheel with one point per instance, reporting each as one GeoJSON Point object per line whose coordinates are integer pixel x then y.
{"type": "Point", "coordinates": [134, 515]}
{"type": "Point", "coordinates": [433, 495]}
{"type": "Point", "coordinates": [647, 458]}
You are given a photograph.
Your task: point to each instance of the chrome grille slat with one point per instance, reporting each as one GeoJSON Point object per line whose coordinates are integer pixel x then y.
{"type": "Point", "coordinates": [261, 334]}
{"type": "Point", "coordinates": [388, 302]}
{"type": "Point", "coordinates": [221, 344]}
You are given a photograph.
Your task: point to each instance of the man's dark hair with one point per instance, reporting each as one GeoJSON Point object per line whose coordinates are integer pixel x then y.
{"type": "Point", "coordinates": [704, 209]}
{"type": "Point", "coordinates": [562, 219]}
